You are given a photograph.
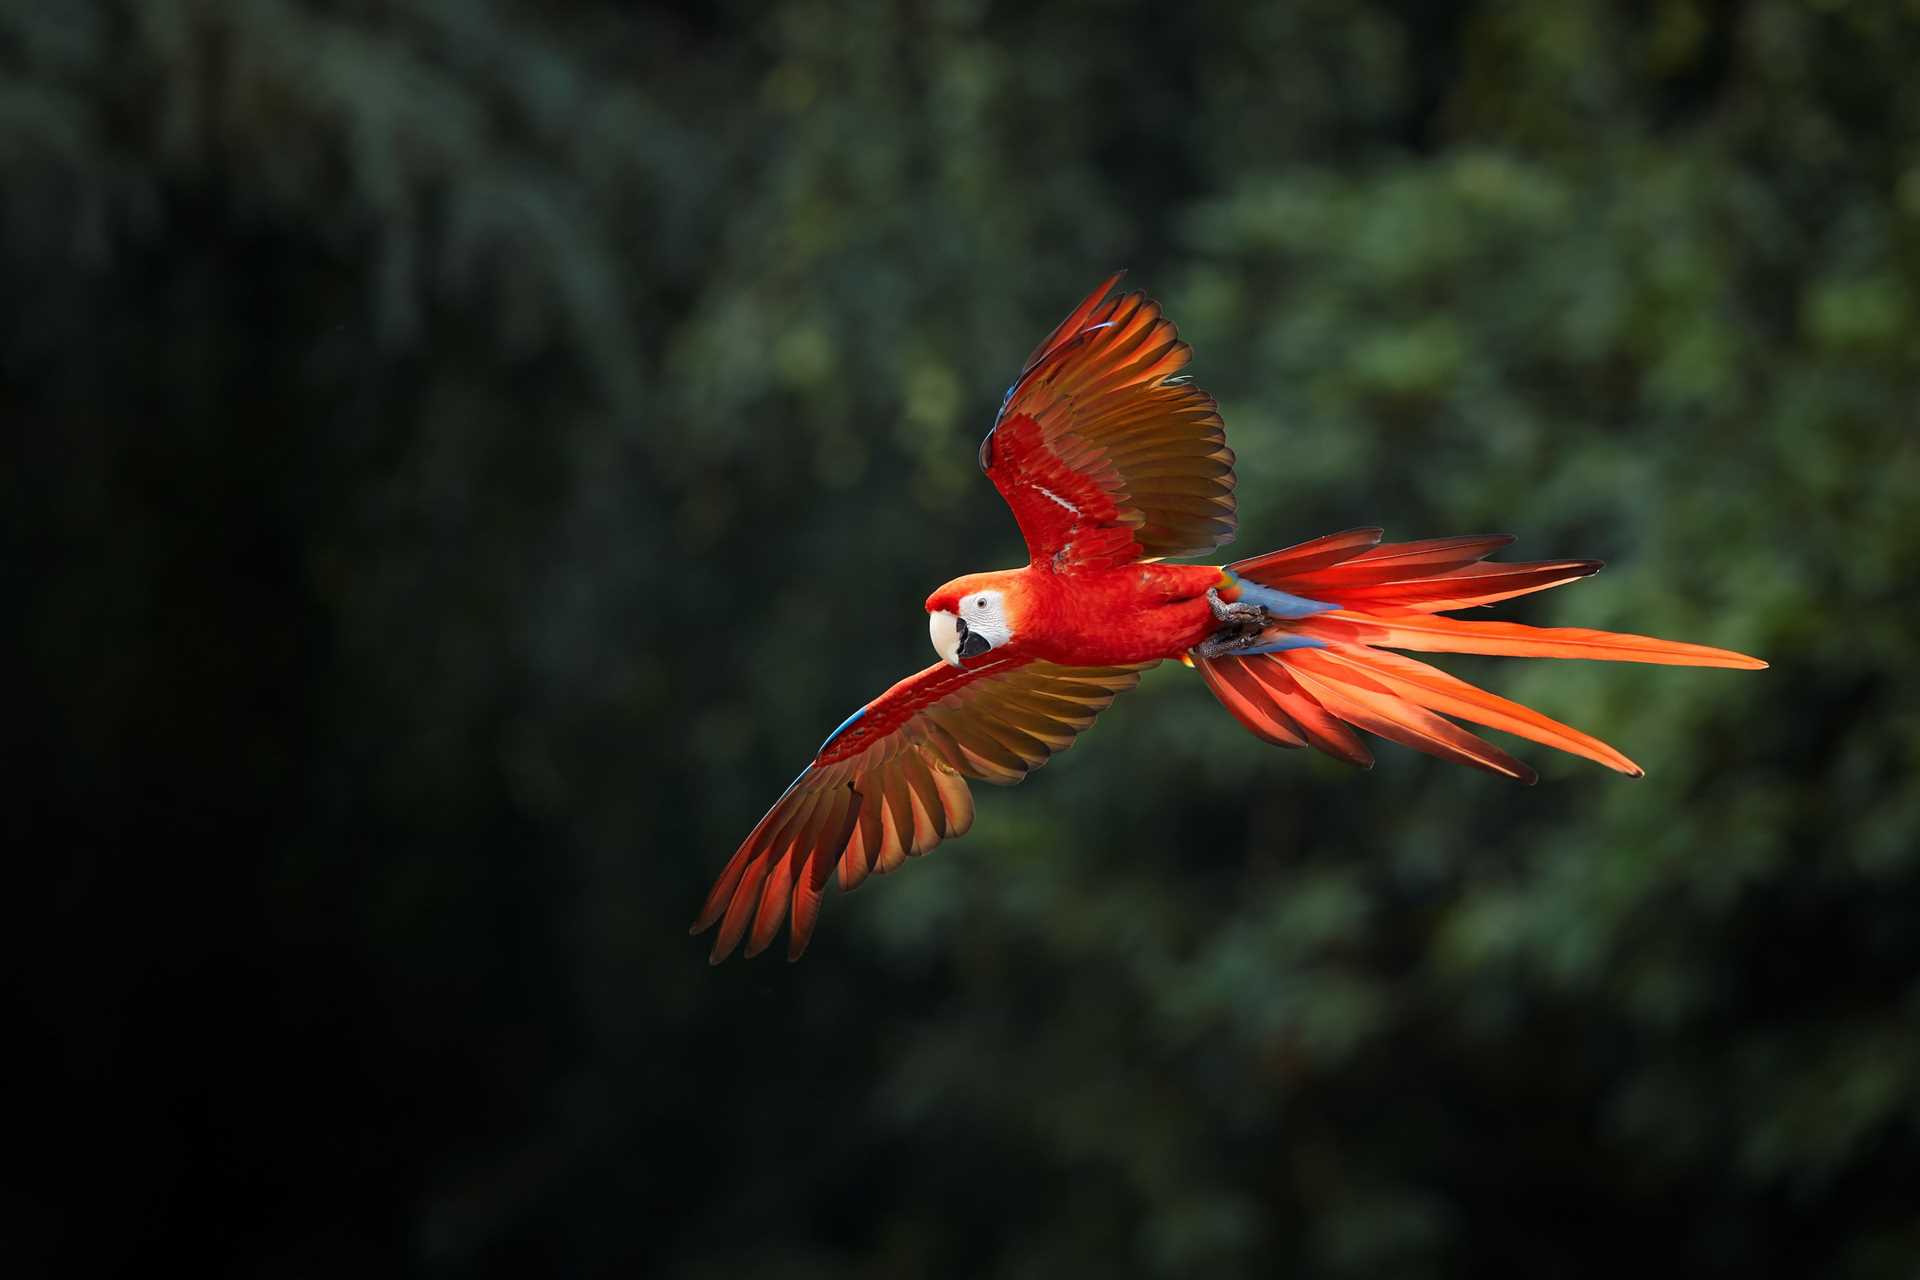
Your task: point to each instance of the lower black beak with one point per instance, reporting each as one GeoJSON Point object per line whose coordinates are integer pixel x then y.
{"type": "Point", "coordinates": [971, 645]}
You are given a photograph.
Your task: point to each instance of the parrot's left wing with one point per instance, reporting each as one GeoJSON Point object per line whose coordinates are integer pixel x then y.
{"type": "Point", "coordinates": [889, 784]}
{"type": "Point", "coordinates": [1103, 450]}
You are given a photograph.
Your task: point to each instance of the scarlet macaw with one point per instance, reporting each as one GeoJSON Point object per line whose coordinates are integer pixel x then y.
{"type": "Point", "coordinates": [1112, 460]}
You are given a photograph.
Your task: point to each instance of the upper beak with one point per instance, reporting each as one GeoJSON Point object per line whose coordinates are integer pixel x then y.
{"type": "Point", "coordinates": [951, 638]}
{"type": "Point", "coordinates": [945, 630]}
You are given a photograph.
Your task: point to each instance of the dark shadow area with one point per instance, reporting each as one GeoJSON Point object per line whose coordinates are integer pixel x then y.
{"type": "Point", "coordinates": [465, 456]}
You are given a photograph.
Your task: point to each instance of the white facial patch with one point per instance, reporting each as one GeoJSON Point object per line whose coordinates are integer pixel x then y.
{"type": "Point", "coordinates": [979, 627]}
{"type": "Point", "coordinates": [985, 613]}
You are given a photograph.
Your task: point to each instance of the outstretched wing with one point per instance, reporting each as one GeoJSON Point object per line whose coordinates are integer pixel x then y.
{"type": "Point", "coordinates": [1103, 450]}
{"type": "Point", "coordinates": [890, 784]}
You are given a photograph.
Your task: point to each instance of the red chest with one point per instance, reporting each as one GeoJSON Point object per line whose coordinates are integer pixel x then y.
{"type": "Point", "coordinates": [1133, 613]}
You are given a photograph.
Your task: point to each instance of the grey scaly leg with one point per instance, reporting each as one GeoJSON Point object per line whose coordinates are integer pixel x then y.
{"type": "Point", "coordinates": [1241, 626]}
{"type": "Point", "coordinates": [1235, 614]}
{"type": "Point", "coordinates": [1222, 643]}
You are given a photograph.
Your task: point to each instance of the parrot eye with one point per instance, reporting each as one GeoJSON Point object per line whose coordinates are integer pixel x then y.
{"type": "Point", "coordinates": [981, 603]}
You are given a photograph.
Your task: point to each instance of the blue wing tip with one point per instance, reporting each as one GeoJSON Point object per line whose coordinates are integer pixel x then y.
{"type": "Point", "coordinates": [844, 726]}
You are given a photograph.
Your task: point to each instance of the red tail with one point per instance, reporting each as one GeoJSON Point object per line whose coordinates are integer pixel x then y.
{"type": "Point", "coordinates": [1334, 672]}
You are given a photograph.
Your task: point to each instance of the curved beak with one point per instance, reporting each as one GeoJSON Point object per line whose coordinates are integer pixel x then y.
{"type": "Point", "coordinates": [951, 638]}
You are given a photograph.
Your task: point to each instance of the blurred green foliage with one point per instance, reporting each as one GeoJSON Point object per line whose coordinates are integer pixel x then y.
{"type": "Point", "coordinates": [467, 453]}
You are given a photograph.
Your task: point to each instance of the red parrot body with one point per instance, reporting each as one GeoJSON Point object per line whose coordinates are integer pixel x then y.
{"type": "Point", "coordinates": [1101, 617]}
{"type": "Point", "coordinates": [1111, 461]}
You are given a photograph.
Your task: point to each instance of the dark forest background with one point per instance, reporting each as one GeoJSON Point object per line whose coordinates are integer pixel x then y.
{"type": "Point", "coordinates": [464, 455]}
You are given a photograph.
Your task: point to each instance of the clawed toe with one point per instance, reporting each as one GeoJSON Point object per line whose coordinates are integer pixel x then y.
{"type": "Point", "coordinates": [1236, 613]}
{"type": "Point", "coordinates": [1241, 626]}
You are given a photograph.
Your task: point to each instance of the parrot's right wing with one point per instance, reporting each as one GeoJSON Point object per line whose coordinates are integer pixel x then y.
{"type": "Point", "coordinates": [889, 784]}
{"type": "Point", "coordinates": [1104, 450]}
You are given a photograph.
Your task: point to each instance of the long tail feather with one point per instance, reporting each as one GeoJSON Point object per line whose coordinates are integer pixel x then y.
{"type": "Point", "coordinates": [1337, 673]}
{"type": "Point", "coordinates": [1435, 690]}
{"type": "Point", "coordinates": [1346, 691]}
{"type": "Point", "coordinates": [1279, 567]}
{"type": "Point", "coordinates": [1469, 585]}
{"type": "Point", "coordinates": [1426, 633]}
{"type": "Point", "coordinates": [1399, 562]}
{"type": "Point", "coordinates": [1319, 726]}
{"type": "Point", "coordinates": [1250, 703]}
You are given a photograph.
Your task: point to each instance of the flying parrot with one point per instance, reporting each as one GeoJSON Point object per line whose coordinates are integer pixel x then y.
{"type": "Point", "coordinates": [1113, 462]}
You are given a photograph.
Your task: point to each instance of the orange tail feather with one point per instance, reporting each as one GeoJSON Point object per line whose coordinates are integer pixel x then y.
{"type": "Point", "coordinates": [1240, 693]}
{"type": "Point", "coordinates": [1346, 690]}
{"type": "Point", "coordinates": [1426, 633]}
{"type": "Point", "coordinates": [1391, 596]}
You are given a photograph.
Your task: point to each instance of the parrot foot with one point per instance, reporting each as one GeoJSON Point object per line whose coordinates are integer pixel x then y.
{"type": "Point", "coordinates": [1236, 614]}
{"type": "Point", "coordinates": [1223, 644]}
{"type": "Point", "coordinates": [1241, 626]}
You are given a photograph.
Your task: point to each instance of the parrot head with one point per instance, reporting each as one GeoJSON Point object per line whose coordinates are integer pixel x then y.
{"type": "Point", "coordinates": [970, 616]}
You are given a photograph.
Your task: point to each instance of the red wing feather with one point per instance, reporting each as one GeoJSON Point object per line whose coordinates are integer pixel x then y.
{"type": "Point", "coordinates": [1070, 327]}
{"type": "Point", "coordinates": [1106, 454]}
{"type": "Point", "coordinates": [890, 784]}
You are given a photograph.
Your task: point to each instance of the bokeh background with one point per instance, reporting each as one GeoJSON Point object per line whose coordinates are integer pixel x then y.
{"type": "Point", "coordinates": [465, 454]}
